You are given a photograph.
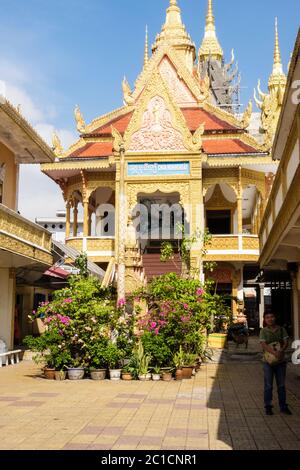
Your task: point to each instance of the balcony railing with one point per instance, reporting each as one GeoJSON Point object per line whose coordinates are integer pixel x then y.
{"type": "Point", "coordinates": [95, 247]}
{"type": "Point", "coordinates": [233, 247]}
{"type": "Point", "coordinates": [22, 237]}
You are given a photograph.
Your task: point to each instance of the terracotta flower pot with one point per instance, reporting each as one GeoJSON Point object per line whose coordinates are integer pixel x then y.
{"type": "Point", "coordinates": [49, 373]}
{"type": "Point", "coordinates": [60, 375]}
{"type": "Point", "coordinates": [187, 372]}
{"type": "Point", "coordinates": [167, 376]}
{"type": "Point", "coordinates": [98, 374]}
{"type": "Point", "coordinates": [126, 376]}
{"type": "Point", "coordinates": [179, 374]}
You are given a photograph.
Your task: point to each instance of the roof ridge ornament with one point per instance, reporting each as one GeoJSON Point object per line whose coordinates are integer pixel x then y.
{"type": "Point", "coordinates": [56, 145]}
{"type": "Point", "coordinates": [127, 93]}
{"type": "Point", "coordinates": [81, 127]}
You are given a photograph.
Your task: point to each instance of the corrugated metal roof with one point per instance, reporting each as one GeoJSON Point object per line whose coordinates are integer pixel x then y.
{"type": "Point", "coordinates": [73, 254]}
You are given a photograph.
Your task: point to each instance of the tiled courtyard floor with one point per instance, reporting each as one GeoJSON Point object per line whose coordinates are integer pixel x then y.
{"type": "Point", "coordinates": [221, 408]}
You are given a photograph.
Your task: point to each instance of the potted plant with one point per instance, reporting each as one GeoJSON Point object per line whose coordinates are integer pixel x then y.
{"type": "Point", "coordinates": [189, 361]}
{"type": "Point", "coordinates": [178, 361]}
{"type": "Point", "coordinates": [221, 316]}
{"type": "Point", "coordinates": [127, 373]}
{"type": "Point", "coordinates": [76, 372]}
{"type": "Point", "coordinates": [61, 360]}
{"type": "Point", "coordinates": [40, 345]}
{"type": "Point", "coordinates": [113, 356]}
{"type": "Point", "coordinates": [156, 373]}
{"type": "Point", "coordinates": [167, 374]}
{"type": "Point", "coordinates": [97, 360]}
{"type": "Point", "coordinates": [143, 361]}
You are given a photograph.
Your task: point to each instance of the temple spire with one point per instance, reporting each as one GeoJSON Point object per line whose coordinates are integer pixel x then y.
{"type": "Point", "coordinates": [210, 46]}
{"type": "Point", "coordinates": [146, 53]}
{"type": "Point", "coordinates": [174, 34]}
{"type": "Point", "coordinates": [277, 54]}
{"type": "Point", "coordinates": [278, 77]}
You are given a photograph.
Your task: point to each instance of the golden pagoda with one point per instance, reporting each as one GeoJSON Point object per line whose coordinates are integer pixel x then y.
{"type": "Point", "coordinates": [176, 143]}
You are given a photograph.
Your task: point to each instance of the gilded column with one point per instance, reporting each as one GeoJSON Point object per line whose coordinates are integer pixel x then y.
{"type": "Point", "coordinates": [90, 221]}
{"type": "Point", "coordinates": [86, 216]}
{"type": "Point", "coordinates": [240, 214]}
{"type": "Point", "coordinates": [75, 219]}
{"type": "Point", "coordinates": [240, 203]}
{"type": "Point", "coordinates": [122, 227]}
{"type": "Point", "coordinates": [68, 219]}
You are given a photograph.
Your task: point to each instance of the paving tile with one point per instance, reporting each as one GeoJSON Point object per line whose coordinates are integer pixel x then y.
{"type": "Point", "coordinates": [74, 446]}
{"type": "Point", "coordinates": [92, 430]}
{"type": "Point", "coordinates": [113, 430]}
{"type": "Point", "coordinates": [220, 409]}
{"type": "Point", "coordinates": [9, 398]}
{"type": "Point", "coordinates": [44, 395]}
{"type": "Point", "coordinates": [22, 404]}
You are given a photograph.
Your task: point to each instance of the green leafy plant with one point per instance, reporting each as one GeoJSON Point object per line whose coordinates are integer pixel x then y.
{"type": "Point", "coordinates": [178, 358]}
{"type": "Point", "coordinates": [156, 369]}
{"type": "Point", "coordinates": [113, 356]}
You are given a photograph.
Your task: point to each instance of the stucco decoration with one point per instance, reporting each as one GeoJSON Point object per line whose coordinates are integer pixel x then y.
{"type": "Point", "coordinates": [177, 87]}
{"type": "Point", "coordinates": [157, 132]}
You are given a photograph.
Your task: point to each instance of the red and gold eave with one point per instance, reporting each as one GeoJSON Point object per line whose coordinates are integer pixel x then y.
{"type": "Point", "coordinates": [221, 138]}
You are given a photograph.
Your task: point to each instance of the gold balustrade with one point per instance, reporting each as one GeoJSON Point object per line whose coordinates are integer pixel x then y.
{"type": "Point", "coordinates": [22, 237]}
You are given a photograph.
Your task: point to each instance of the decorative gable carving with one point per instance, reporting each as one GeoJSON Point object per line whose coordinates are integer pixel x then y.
{"type": "Point", "coordinates": [157, 132]}
{"type": "Point", "coordinates": [176, 86]}
{"type": "Point", "coordinates": [158, 124]}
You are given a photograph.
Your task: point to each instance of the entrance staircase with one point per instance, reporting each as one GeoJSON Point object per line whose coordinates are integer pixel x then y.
{"type": "Point", "coordinates": [154, 267]}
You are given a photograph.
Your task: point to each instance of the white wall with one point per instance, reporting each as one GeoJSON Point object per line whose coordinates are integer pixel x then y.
{"type": "Point", "coordinates": [7, 301]}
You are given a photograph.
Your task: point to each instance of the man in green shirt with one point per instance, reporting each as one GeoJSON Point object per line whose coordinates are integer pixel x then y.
{"type": "Point", "coordinates": [274, 341]}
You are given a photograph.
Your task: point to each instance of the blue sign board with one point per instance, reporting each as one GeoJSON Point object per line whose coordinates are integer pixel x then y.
{"type": "Point", "coordinates": [159, 169]}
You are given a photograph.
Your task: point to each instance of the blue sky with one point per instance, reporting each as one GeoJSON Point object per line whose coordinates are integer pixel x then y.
{"type": "Point", "coordinates": [59, 53]}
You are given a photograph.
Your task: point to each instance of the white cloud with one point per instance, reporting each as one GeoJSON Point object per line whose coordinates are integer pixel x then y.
{"type": "Point", "coordinates": [46, 131]}
{"type": "Point", "coordinates": [19, 97]}
{"type": "Point", "coordinates": [39, 196]}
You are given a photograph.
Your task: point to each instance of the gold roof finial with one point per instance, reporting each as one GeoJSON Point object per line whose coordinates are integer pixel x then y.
{"type": "Point", "coordinates": [277, 55]}
{"type": "Point", "coordinates": [174, 32]}
{"type": "Point", "coordinates": [210, 46]}
{"type": "Point", "coordinates": [146, 53]}
{"type": "Point", "coordinates": [278, 77]}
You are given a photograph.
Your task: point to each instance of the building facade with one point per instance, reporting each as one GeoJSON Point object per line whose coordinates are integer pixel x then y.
{"type": "Point", "coordinates": [25, 248]}
{"type": "Point", "coordinates": [175, 143]}
{"type": "Point", "coordinates": [280, 228]}
{"type": "Point", "coordinates": [57, 226]}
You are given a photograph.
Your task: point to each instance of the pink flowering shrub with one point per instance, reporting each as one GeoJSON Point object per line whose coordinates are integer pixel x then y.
{"type": "Point", "coordinates": [79, 323]}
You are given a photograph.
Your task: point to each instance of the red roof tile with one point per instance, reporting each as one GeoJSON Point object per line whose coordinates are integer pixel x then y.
{"type": "Point", "coordinates": [120, 123]}
{"type": "Point", "coordinates": [195, 116]}
{"type": "Point", "coordinates": [227, 146]}
{"type": "Point", "coordinates": [97, 149]}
